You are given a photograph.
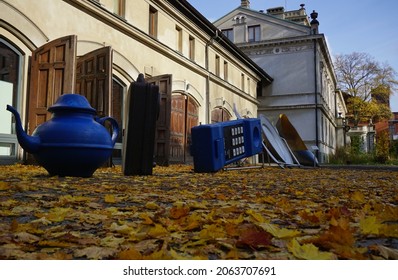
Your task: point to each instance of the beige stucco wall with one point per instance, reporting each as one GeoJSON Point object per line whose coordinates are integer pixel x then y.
{"type": "Point", "coordinates": [28, 25]}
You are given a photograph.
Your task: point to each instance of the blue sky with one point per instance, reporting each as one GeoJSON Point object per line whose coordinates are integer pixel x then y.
{"type": "Point", "coordinates": [369, 26]}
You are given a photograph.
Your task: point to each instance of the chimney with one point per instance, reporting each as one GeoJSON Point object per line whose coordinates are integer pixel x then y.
{"type": "Point", "coordinates": [245, 4]}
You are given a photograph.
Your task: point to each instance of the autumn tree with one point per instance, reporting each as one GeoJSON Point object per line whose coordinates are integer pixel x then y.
{"type": "Point", "coordinates": [382, 147]}
{"type": "Point", "coordinates": [369, 85]}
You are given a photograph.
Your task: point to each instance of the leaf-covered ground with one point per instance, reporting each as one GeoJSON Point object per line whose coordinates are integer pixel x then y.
{"type": "Point", "coordinates": [266, 213]}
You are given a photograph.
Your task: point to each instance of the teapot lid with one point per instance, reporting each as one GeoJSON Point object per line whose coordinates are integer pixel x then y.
{"type": "Point", "coordinates": [70, 101]}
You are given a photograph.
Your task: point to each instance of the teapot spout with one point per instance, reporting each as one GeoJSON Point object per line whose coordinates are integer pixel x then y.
{"type": "Point", "coordinates": [31, 144]}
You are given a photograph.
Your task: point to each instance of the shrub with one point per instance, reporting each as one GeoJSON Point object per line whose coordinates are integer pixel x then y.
{"type": "Point", "coordinates": [382, 147]}
{"type": "Point", "coordinates": [384, 152]}
{"type": "Point", "coordinates": [341, 156]}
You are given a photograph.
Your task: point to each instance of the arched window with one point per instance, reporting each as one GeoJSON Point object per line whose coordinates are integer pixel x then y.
{"type": "Point", "coordinates": [10, 65]}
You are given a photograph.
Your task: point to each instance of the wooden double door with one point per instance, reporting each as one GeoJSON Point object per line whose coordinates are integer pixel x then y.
{"type": "Point", "coordinates": [56, 69]}
{"type": "Point", "coordinates": [178, 114]}
{"type": "Point", "coordinates": [184, 116]}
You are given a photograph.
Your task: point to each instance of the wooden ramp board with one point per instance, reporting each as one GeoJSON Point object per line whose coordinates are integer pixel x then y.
{"type": "Point", "coordinates": [288, 132]}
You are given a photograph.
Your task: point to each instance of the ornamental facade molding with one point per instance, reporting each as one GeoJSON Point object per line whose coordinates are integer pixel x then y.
{"type": "Point", "coordinates": [274, 49]}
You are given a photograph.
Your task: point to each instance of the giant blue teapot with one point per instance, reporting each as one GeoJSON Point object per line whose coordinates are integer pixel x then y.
{"type": "Point", "coordinates": [73, 142]}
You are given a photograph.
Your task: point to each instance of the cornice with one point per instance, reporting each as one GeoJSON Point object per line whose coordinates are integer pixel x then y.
{"type": "Point", "coordinates": [273, 49]}
{"type": "Point", "coordinates": [281, 41]}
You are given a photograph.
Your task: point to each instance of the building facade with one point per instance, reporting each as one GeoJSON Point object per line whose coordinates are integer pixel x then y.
{"type": "Point", "coordinates": [99, 47]}
{"type": "Point", "coordinates": [296, 55]}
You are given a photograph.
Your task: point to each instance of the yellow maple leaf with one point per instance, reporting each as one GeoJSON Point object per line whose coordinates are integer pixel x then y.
{"type": "Point", "coordinates": [57, 214]}
{"type": "Point", "coordinates": [123, 229]}
{"type": "Point", "coordinates": [147, 219]}
{"type": "Point", "coordinates": [157, 231]}
{"type": "Point", "coordinates": [268, 199]}
{"type": "Point", "coordinates": [4, 186]}
{"type": "Point", "coordinates": [358, 196]}
{"type": "Point", "coordinates": [193, 222]}
{"type": "Point", "coordinates": [370, 225]}
{"type": "Point", "coordinates": [238, 220]}
{"type": "Point", "coordinates": [198, 205]}
{"type": "Point", "coordinates": [257, 216]}
{"type": "Point", "coordinates": [70, 199]}
{"type": "Point", "coordinates": [110, 198]}
{"type": "Point", "coordinates": [389, 230]}
{"type": "Point", "coordinates": [308, 251]}
{"type": "Point", "coordinates": [299, 193]}
{"type": "Point", "coordinates": [130, 254]}
{"type": "Point", "coordinates": [212, 231]}
{"type": "Point", "coordinates": [151, 205]}
{"type": "Point", "coordinates": [279, 232]}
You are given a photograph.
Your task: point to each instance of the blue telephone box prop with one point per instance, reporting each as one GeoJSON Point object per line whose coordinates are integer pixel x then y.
{"type": "Point", "coordinates": [216, 145]}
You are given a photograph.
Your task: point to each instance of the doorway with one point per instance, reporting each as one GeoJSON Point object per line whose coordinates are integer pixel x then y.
{"type": "Point", "coordinates": [184, 116]}
{"type": "Point", "coordinates": [220, 114]}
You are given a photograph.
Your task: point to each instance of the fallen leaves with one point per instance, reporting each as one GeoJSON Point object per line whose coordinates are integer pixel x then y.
{"type": "Point", "coordinates": [279, 232]}
{"type": "Point", "coordinates": [176, 212]}
{"type": "Point", "coordinates": [370, 225]}
{"type": "Point", "coordinates": [254, 237]}
{"type": "Point", "coordinates": [94, 252]}
{"type": "Point", "coordinates": [308, 251]}
{"type": "Point", "coordinates": [266, 213]}
{"type": "Point", "coordinates": [4, 186]}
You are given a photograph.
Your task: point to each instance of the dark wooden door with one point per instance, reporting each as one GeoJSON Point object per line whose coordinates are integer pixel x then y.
{"type": "Point", "coordinates": [191, 121]}
{"type": "Point", "coordinates": [220, 115]}
{"type": "Point", "coordinates": [94, 79]}
{"type": "Point", "coordinates": [177, 128]}
{"type": "Point", "coordinates": [52, 74]}
{"type": "Point", "coordinates": [162, 136]}
{"type": "Point", "coordinates": [184, 116]}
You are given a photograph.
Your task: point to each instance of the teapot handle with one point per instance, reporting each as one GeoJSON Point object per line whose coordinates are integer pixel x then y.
{"type": "Point", "coordinates": [115, 127]}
